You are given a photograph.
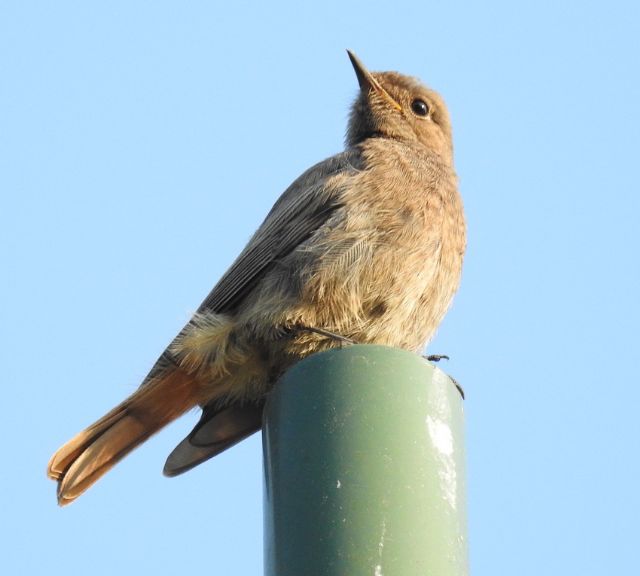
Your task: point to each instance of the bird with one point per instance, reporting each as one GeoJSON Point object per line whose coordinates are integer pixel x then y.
{"type": "Point", "coordinates": [366, 246]}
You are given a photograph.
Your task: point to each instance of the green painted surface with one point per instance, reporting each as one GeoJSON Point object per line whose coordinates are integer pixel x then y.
{"type": "Point", "coordinates": [364, 468]}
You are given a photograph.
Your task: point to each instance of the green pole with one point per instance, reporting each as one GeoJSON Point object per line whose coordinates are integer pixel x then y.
{"type": "Point", "coordinates": [364, 468]}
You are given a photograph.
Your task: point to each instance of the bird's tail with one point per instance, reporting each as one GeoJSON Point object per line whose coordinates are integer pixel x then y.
{"type": "Point", "coordinates": [92, 453]}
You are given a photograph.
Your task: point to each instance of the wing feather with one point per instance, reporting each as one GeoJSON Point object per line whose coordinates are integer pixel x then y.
{"type": "Point", "coordinates": [301, 210]}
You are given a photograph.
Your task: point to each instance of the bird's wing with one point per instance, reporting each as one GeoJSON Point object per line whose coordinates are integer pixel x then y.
{"type": "Point", "coordinates": [303, 208]}
{"type": "Point", "coordinates": [217, 430]}
{"type": "Point", "coordinates": [298, 213]}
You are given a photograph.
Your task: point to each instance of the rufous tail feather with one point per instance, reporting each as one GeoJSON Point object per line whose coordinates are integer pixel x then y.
{"type": "Point", "coordinates": [95, 450]}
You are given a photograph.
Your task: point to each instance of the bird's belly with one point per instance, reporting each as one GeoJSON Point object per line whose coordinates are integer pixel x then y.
{"type": "Point", "coordinates": [392, 293]}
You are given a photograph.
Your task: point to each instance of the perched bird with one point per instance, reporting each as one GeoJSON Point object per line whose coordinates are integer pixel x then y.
{"type": "Point", "coordinates": [366, 246]}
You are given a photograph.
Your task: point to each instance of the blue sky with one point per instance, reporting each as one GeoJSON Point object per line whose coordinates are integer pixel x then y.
{"type": "Point", "coordinates": [141, 143]}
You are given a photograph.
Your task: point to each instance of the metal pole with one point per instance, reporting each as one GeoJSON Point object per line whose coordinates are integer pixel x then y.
{"type": "Point", "coordinates": [364, 468]}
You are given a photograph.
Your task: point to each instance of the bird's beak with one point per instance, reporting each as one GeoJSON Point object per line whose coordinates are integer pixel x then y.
{"type": "Point", "coordinates": [368, 82]}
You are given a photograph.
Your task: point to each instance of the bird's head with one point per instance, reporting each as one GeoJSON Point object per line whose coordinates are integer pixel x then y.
{"type": "Point", "coordinates": [391, 105]}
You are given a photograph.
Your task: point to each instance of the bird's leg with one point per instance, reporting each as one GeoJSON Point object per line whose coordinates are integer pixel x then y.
{"type": "Point", "coordinates": [326, 333]}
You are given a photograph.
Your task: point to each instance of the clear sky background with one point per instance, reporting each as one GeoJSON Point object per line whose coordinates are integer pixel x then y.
{"type": "Point", "coordinates": [141, 143]}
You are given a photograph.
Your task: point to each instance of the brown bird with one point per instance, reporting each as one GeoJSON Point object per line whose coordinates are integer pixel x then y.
{"type": "Point", "coordinates": [366, 246]}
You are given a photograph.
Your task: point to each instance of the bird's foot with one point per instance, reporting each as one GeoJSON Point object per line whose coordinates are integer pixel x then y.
{"type": "Point", "coordinates": [436, 357]}
{"type": "Point", "coordinates": [460, 388]}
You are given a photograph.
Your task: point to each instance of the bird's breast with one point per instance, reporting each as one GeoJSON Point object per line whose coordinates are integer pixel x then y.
{"type": "Point", "coordinates": [386, 265]}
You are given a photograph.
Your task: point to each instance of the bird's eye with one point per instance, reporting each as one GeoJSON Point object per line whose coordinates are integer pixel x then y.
{"type": "Point", "coordinates": [420, 107]}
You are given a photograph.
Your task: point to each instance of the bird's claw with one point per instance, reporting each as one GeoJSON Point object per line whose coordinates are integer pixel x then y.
{"type": "Point", "coordinates": [436, 357]}
{"type": "Point", "coordinates": [460, 388]}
